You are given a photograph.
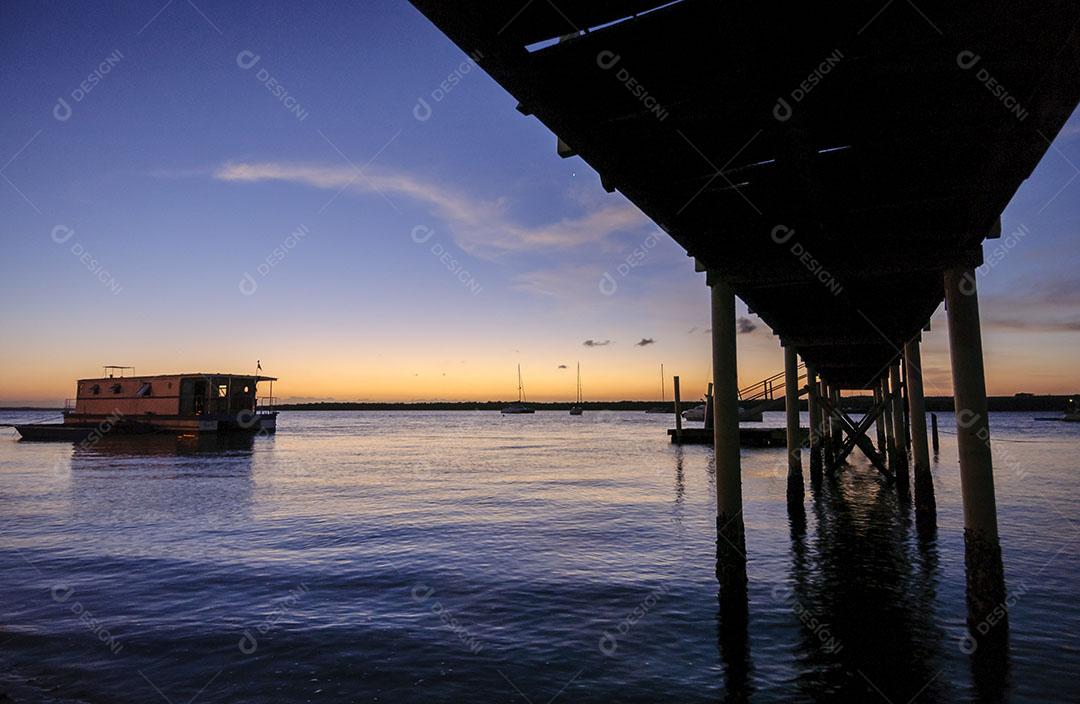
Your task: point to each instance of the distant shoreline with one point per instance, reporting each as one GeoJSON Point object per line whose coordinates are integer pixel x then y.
{"type": "Point", "coordinates": [940, 404]}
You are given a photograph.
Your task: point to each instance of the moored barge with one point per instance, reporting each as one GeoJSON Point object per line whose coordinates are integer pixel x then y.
{"type": "Point", "coordinates": [193, 403]}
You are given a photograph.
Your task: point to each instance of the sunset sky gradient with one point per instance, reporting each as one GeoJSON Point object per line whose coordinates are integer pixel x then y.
{"type": "Point", "coordinates": [196, 214]}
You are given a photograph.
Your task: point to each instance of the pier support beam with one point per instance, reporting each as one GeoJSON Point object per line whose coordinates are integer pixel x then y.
{"type": "Point", "coordinates": [982, 549]}
{"type": "Point", "coordinates": [899, 434]}
{"type": "Point", "coordinates": [730, 533]}
{"type": "Point", "coordinates": [886, 417]}
{"type": "Point", "coordinates": [791, 410]}
{"type": "Point", "coordinates": [815, 423]}
{"type": "Point", "coordinates": [879, 424]}
{"type": "Point", "coordinates": [836, 436]}
{"type": "Point", "coordinates": [920, 450]}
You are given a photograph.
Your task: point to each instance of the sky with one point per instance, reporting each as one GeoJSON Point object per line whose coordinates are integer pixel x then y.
{"type": "Point", "coordinates": [343, 196]}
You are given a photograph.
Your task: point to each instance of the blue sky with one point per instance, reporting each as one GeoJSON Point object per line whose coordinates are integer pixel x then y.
{"type": "Point", "coordinates": [433, 255]}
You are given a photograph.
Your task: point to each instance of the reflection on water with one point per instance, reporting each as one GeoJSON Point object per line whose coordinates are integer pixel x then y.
{"type": "Point", "coordinates": [472, 556]}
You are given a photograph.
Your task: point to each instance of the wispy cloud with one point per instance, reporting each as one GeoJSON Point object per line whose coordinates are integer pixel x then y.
{"type": "Point", "coordinates": [645, 342]}
{"type": "Point", "coordinates": [1033, 324]}
{"type": "Point", "coordinates": [479, 226]}
{"type": "Point", "coordinates": [596, 343]}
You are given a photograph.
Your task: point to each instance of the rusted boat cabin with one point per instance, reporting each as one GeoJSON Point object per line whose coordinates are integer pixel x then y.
{"type": "Point", "coordinates": [197, 402]}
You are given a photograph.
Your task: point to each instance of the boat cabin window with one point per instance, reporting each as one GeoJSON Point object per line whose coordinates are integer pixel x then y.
{"type": "Point", "coordinates": [116, 388]}
{"type": "Point", "coordinates": [95, 389]}
{"type": "Point", "coordinates": [144, 390]}
{"type": "Point", "coordinates": [223, 390]}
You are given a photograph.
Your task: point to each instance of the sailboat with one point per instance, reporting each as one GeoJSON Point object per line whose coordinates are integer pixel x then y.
{"type": "Point", "coordinates": [519, 407]}
{"type": "Point", "coordinates": [662, 408]}
{"type": "Point", "coordinates": [576, 409]}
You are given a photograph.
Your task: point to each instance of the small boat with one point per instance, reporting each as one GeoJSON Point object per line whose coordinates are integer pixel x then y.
{"type": "Point", "coordinates": [194, 403]}
{"type": "Point", "coordinates": [663, 397]}
{"type": "Point", "coordinates": [697, 413]}
{"type": "Point", "coordinates": [576, 409]}
{"type": "Point", "coordinates": [519, 407]}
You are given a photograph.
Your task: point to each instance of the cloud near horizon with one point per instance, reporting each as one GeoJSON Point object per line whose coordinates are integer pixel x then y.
{"type": "Point", "coordinates": [479, 226]}
{"type": "Point", "coordinates": [645, 341]}
{"type": "Point", "coordinates": [596, 343]}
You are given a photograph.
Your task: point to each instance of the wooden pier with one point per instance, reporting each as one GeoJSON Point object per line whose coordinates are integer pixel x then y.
{"type": "Point", "coordinates": [748, 437]}
{"type": "Point", "coordinates": [821, 215]}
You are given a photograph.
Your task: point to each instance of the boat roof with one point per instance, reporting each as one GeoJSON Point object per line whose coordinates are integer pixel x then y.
{"type": "Point", "coordinates": [256, 377]}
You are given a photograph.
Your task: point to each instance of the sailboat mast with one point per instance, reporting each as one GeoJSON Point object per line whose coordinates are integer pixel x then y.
{"type": "Point", "coordinates": [662, 394]}
{"type": "Point", "coordinates": [521, 389]}
{"type": "Point", "coordinates": [579, 383]}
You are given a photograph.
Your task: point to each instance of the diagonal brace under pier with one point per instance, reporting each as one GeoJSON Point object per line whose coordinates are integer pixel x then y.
{"type": "Point", "coordinates": [856, 435]}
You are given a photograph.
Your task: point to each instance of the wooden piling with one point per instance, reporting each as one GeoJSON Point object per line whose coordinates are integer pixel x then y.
{"type": "Point", "coordinates": [678, 410]}
{"type": "Point", "coordinates": [815, 423]}
{"type": "Point", "coordinates": [731, 535]}
{"type": "Point", "coordinates": [836, 435]}
{"type": "Point", "coordinates": [887, 418]}
{"type": "Point", "coordinates": [791, 412]}
{"type": "Point", "coordinates": [987, 608]}
{"type": "Point", "coordinates": [879, 424]}
{"type": "Point", "coordinates": [934, 437]}
{"type": "Point", "coordinates": [900, 471]}
{"type": "Point", "coordinates": [709, 408]}
{"type": "Point", "coordinates": [920, 453]}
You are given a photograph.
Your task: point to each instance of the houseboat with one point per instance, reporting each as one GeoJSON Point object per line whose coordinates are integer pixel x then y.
{"type": "Point", "coordinates": [195, 403]}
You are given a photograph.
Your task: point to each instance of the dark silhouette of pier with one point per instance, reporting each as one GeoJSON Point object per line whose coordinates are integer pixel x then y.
{"type": "Point", "coordinates": [837, 166]}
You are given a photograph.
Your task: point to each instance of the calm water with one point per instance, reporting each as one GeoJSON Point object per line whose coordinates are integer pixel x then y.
{"type": "Point", "coordinates": [469, 556]}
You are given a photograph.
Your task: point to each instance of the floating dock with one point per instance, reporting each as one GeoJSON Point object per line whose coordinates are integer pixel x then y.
{"type": "Point", "coordinates": [748, 437]}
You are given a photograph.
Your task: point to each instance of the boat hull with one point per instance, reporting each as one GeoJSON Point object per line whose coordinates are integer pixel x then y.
{"type": "Point", "coordinates": [81, 427]}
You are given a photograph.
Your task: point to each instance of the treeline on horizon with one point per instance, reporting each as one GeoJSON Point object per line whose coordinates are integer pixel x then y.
{"type": "Point", "coordinates": [939, 404]}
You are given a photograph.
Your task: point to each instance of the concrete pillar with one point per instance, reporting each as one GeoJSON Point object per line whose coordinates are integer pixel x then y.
{"type": "Point", "coordinates": [900, 470]}
{"type": "Point", "coordinates": [791, 410]}
{"type": "Point", "coordinates": [731, 537]}
{"type": "Point", "coordinates": [920, 450]}
{"type": "Point", "coordinates": [815, 423]}
{"type": "Point", "coordinates": [982, 549]}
